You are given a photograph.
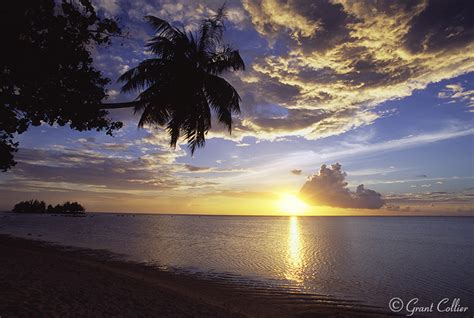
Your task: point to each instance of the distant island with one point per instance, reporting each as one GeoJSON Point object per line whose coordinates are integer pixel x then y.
{"type": "Point", "coordinates": [36, 206]}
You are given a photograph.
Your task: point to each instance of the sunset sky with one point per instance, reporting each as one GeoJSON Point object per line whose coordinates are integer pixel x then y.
{"type": "Point", "coordinates": [385, 89]}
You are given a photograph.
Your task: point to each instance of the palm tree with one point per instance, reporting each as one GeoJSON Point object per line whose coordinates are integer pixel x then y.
{"type": "Point", "coordinates": [180, 87]}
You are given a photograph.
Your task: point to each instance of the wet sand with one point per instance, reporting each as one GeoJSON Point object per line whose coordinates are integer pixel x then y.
{"type": "Point", "coordinates": [43, 280]}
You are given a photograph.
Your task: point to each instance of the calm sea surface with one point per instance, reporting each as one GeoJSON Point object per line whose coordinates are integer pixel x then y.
{"type": "Point", "coordinates": [371, 259]}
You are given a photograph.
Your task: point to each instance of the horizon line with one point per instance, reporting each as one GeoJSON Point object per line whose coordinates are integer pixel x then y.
{"type": "Point", "coordinates": [260, 215]}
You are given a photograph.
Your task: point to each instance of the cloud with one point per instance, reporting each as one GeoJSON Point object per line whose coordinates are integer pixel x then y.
{"type": "Point", "coordinates": [344, 58]}
{"type": "Point", "coordinates": [245, 194]}
{"type": "Point", "coordinates": [328, 63]}
{"type": "Point", "coordinates": [397, 208]}
{"type": "Point", "coordinates": [188, 13]}
{"type": "Point", "coordinates": [112, 7]}
{"type": "Point", "coordinates": [266, 165]}
{"type": "Point", "coordinates": [237, 16]}
{"type": "Point", "coordinates": [296, 172]}
{"type": "Point", "coordinates": [407, 142]}
{"type": "Point", "coordinates": [142, 164]}
{"type": "Point", "coordinates": [329, 187]}
{"type": "Point", "coordinates": [374, 171]}
{"type": "Point", "coordinates": [440, 25]}
{"type": "Point", "coordinates": [270, 17]}
{"type": "Point", "coordinates": [197, 169]}
{"type": "Point", "coordinates": [76, 169]}
{"type": "Point", "coordinates": [463, 197]}
{"type": "Point", "coordinates": [192, 168]}
{"type": "Point", "coordinates": [456, 92]}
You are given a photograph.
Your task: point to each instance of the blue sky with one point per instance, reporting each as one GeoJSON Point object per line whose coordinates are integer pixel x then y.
{"type": "Point", "coordinates": [384, 89]}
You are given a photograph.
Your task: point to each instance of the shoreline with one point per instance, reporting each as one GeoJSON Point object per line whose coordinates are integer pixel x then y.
{"type": "Point", "coordinates": [45, 279]}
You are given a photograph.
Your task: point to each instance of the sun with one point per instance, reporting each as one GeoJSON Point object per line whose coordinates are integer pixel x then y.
{"type": "Point", "coordinates": [291, 204]}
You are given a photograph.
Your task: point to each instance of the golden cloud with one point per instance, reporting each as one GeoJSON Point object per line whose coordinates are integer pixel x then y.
{"type": "Point", "coordinates": [344, 58]}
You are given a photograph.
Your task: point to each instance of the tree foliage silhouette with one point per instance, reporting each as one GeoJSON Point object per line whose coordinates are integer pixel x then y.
{"type": "Point", "coordinates": [32, 206]}
{"type": "Point", "coordinates": [36, 206]}
{"type": "Point", "coordinates": [47, 75]}
{"type": "Point", "coordinates": [46, 71]}
{"type": "Point", "coordinates": [180, 86]}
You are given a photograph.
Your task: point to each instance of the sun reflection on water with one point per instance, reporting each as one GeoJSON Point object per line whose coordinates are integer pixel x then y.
{"type": "Point", "coordinates": [295, 257]}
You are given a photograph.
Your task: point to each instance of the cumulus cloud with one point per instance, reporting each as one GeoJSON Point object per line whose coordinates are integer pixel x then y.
{"type": "Point", "coordinates": [329, 187]}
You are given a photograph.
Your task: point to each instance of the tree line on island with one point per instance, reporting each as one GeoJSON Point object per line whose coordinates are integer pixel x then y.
{"type": "Point", "coordinates": [36, 206]}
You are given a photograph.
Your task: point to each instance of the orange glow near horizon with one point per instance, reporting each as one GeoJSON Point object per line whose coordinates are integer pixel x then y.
{"type": "Point", "coordinates": [292, 205]}
{"type": "Point", "coordinates": [276, 203]}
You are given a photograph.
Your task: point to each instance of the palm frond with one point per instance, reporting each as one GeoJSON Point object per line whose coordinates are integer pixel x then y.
{"type": "Point", "coordinates": [197, 123]}
{"type": "Point", "coordinates": [180, 88]}
{"type": "Point", "coordinates": [225, 60]}
{"type": "Point", "coordinates": [154, 115]}
{"type": "Point", "coordinates": [142, 76]}
{"type": "Point", "coordinates": [223, 99]}
{"type": "Point", "coordinates": [161, 27]}
{"type": "Point", "coordinates": [174, 128]}
{"type": "Point", "coordinates": [211, 31]}
{"type": "Point", "coordinates": [162, 47]}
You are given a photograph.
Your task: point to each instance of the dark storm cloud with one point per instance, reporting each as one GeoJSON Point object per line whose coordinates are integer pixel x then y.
{"type": "Point", "coordinates": [329, 187]}
{"type": "Point", "coordinates": [314, 24]}
{"type": "Point", "coordinates": [442, 25]}
{"type": "Point", "coordinates": [332, 20]}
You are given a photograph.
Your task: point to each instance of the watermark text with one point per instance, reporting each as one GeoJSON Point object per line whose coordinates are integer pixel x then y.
{"type": "Point", "coordinates": [413, 306]}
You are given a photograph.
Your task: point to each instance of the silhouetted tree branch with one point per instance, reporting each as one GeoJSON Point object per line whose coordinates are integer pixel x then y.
{"type": "Point", "coordinates": [119, 105]}
{"type": "Point", "coordinates": [47, 75]}
{"type": "Point", "coordinates": [46, 71]}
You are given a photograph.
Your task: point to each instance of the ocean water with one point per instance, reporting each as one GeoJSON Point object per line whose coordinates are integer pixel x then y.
{"type": "Point", "coordinates": [369, 259]}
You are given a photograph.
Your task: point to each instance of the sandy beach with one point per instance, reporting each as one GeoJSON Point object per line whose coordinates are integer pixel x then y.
{"type": "Point", "coordinates": [40, 279]}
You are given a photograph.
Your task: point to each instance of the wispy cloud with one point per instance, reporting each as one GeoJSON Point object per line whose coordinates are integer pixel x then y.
{"type": "Point", "coordinates": [402, 143]}
{"type": "Point", "coordinates": [456, 92]}
{"type": "Point", "coordinates": [286, 162]}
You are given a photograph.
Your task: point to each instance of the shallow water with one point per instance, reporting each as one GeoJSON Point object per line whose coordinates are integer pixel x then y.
{"type": "Point", "coordinates": [371, 259]}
